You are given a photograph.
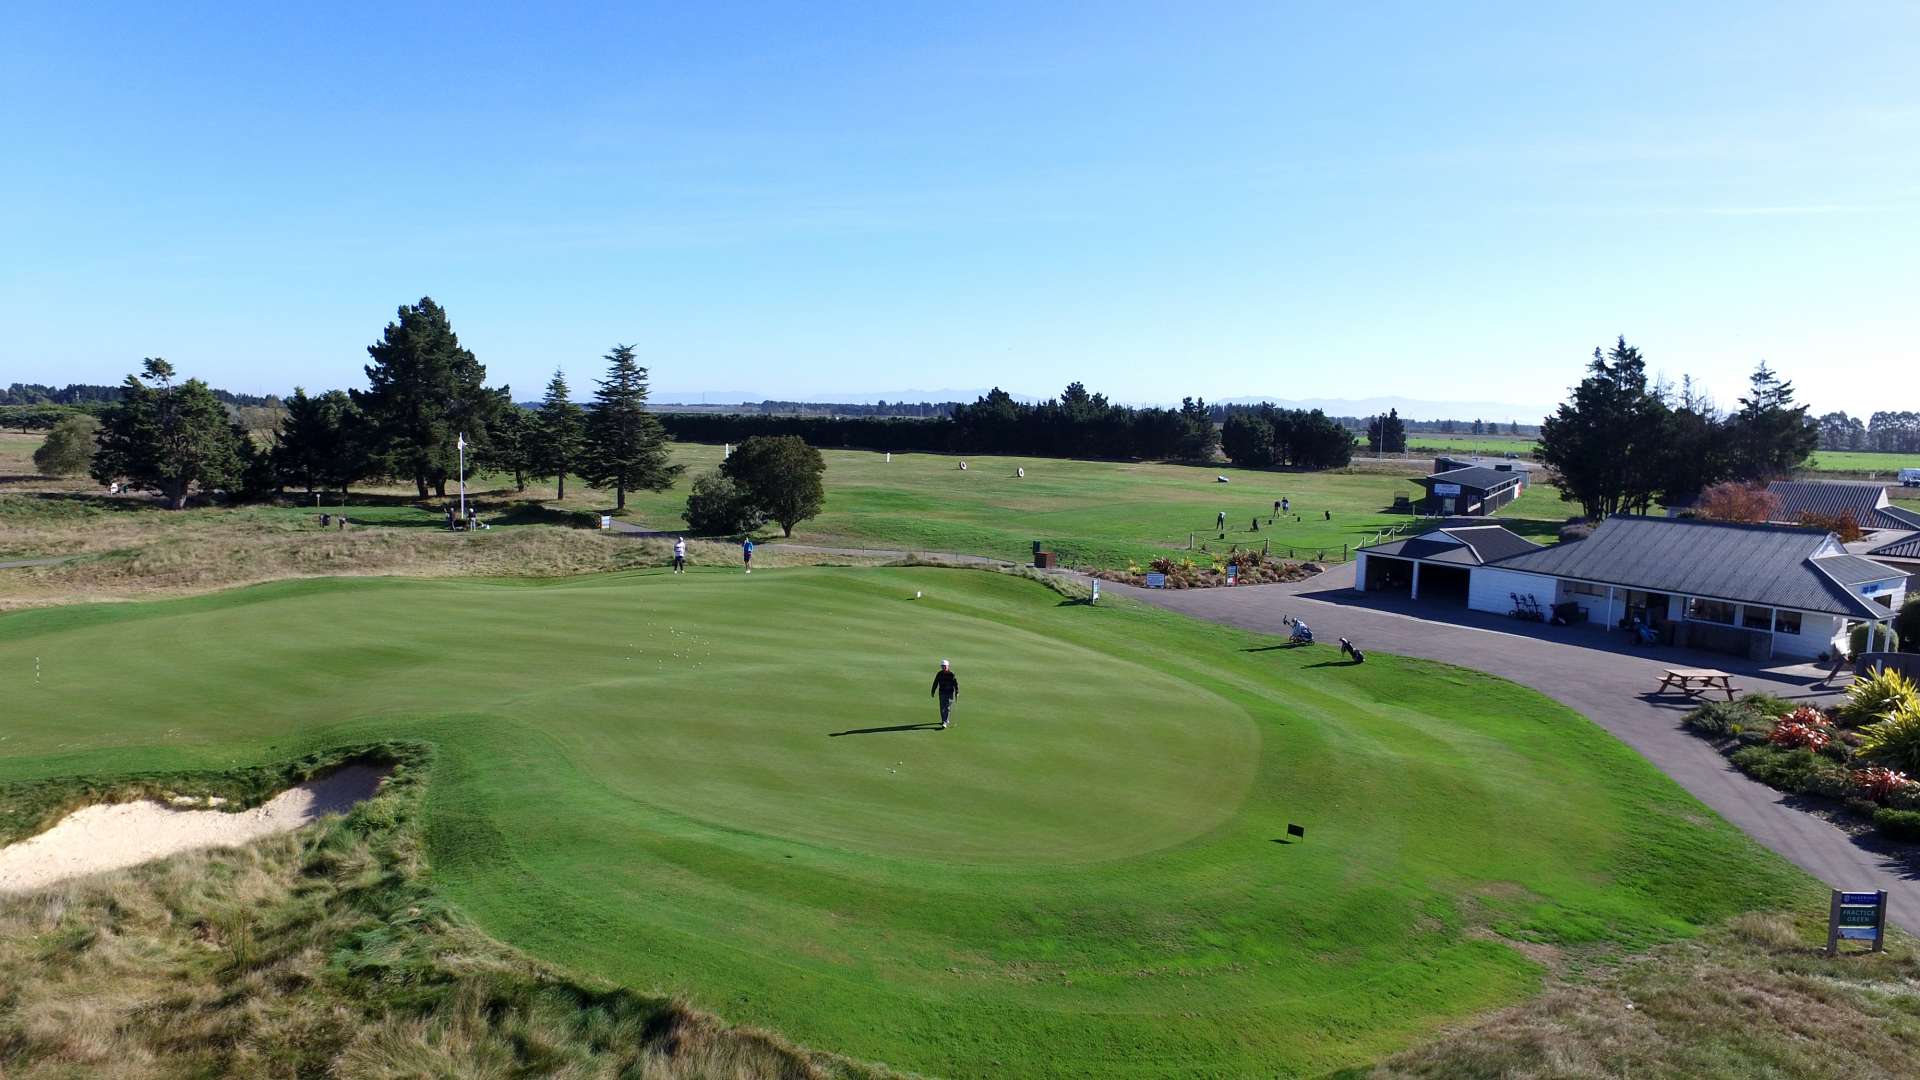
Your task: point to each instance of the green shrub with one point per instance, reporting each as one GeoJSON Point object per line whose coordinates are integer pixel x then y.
{"type": "Point", "coordinates": [1894, 741]}
{"type": "Point", "coordinates": [1829, 781]}
{"type": "Point", "coordinates": [1865, 808]}
{"type": "Point", "coordinates": [1767, 705]}
{"type": "Point", "coordinates": [1787, 770]}
{"type": "Point", "coordinates": [717, 507]}
{"type": "Point", "coordinates": [1873, 697]}
{"type": "Point", "coordinates": [1718, 719]}
{"type": "Point", "coordinates": [1886, 639]}
{"type": "Point", "coordinates": [1898, 824]}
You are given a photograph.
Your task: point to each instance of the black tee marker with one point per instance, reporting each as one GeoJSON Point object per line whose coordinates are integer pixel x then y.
{"type": "Point", "coordinates": [1297, 830]}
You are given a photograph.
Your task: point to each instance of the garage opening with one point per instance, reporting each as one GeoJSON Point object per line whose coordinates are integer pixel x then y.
{"type": "Point", "coordinates": [1444, 584]}
{"type": "Point", "coordinates": [1389, 575]}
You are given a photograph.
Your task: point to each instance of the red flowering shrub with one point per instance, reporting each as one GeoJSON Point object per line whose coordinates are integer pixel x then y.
{"type": "Point", "coordinates": [1795, 733]}
{"type": "Point", "coordinates": [1879, 783]}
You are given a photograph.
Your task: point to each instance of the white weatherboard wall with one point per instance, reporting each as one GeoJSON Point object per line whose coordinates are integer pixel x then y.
{"type": "Point", "coordinates": [1490, 589]}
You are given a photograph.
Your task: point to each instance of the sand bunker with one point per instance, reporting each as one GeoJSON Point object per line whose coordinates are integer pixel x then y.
{"type": "Point", "coordinates": [100, 838]}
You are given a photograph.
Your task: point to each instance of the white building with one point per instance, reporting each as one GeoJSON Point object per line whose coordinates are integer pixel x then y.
{"type": "Point", "coordinates": [1760, 591]}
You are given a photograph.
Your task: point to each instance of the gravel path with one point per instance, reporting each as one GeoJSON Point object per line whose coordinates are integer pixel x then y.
{"type": "Point", "coordinates": [1596, 674]}
{"type": "Point", "coordinates": [96, 839]}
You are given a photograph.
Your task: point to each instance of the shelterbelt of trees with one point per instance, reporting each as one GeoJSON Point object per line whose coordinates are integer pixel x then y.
{"type": "Point", "coordinates": [1621, 443]}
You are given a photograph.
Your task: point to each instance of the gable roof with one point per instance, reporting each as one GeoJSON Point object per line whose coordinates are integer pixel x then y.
{"type": "Point", "coordinates": [1906, 547]}
{"type": "Point", "coordinates": [1770, 565]}
{"type": "Point", "coordinates": [1865, 503]}
{"type": "Point", "coordinates": [1479, 476]}
{"type": "Point", "coordinates": [1462, 545]}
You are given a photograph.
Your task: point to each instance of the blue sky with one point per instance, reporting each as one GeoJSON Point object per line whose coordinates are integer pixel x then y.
{"type": "Point", "coordinates": [1295, 200]}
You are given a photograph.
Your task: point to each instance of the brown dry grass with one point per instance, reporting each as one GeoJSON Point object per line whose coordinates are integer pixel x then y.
{"type": "Point", "coordinates": [1751, 999]}
{"type": "Point", "coordinates": [319, 953]}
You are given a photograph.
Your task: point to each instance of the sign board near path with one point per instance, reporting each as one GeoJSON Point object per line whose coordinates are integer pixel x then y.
{"type": "Point", "coordinates": [1446, 489]}
{"type": "Point", "coordinates": [1156, 581]}
{"type": "Point", "coordinates": [1857, 916]}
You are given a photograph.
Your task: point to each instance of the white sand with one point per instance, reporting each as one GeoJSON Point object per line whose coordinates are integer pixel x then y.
{"type": "Point", "coordinates": [95, 839]}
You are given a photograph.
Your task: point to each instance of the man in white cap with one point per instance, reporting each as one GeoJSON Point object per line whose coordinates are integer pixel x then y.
{"type": "Point", "coordinates": [946, 688]}
{"type": "Point", "coordinates": [680, 555]}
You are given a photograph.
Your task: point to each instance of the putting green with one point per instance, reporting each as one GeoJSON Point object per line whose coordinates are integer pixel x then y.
{"type": "Point", "coordinates": [725, 787]}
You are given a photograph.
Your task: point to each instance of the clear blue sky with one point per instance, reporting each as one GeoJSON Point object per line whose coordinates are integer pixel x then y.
{"type": "Point", "coordinates": [1297, 200]}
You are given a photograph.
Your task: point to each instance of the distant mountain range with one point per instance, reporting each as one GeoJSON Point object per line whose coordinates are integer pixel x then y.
{"type": "Point", "coordinates": [1409, 408]}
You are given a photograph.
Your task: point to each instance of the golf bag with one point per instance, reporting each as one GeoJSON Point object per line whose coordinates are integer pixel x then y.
{"type": "Point", "coordinates": [1347, 648]}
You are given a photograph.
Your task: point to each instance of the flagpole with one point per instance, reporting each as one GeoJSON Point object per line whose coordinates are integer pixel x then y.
{"type": "Point", "coordinates": [463, 479]}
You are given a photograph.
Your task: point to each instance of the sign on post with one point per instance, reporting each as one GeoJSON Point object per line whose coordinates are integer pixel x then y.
{"type": "Point", "coordinates": [606, 521]}
{"type": "Point", "coordinates": [1096, 592]}
{"type": "Point", "coordinates": [1156, 580]}
{"type": "Point", "coordinates": [1857, 916]}
{"type": "Point", "coordinates": [1233, 573]}
{"type": "Point", "coordinates": [1446, 489]}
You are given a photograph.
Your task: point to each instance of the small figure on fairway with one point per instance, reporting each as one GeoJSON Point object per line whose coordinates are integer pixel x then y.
{"type": "Point", "coordinates": [1220, 520]}
{"type": "Point", "coordinates": [946, 687]}
{"type": "Point", "coordinates": [680, 555]}
{"type": "Point", "coordinates": [1256, 523]}
{"type": "Point", "coordinates": [1286, 504]}
{"type": "Point", "coordinates": [1329, 514]}
{"type": "Point", "coordinates": [746, 553]}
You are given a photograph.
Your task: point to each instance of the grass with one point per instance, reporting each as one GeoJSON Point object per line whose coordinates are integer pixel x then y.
{"type": "Point", "coordinates": [637, 778]}
{"type": "Point", "coordinates": [1091, 513]}
{"type": "Point", "coordinates": [318, 953]}
{"type": "Point", "coordinates": [1868, 463]}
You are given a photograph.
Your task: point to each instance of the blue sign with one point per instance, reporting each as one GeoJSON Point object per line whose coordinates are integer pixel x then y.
{"type": "Point", "coordinates": [1156, 581]}
{"type": "Point", "coordinates": [1848, 899]}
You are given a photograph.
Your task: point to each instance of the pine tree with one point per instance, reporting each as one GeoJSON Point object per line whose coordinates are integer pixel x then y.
{"type": "Point", "coordinates": [1606, 446]}
{"type": "Point", "coordinates": [626, 448]}
{"type": "Point", "coordinates": [424, 391]}
{"type": "Point", "coordinates": [169, 438]}
{"type": "Point", "coordinates": [559, 430]}
{"type": "Point", "coordinates": [1770, 435]}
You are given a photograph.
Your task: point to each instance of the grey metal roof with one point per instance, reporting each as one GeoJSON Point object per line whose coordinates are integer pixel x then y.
{"type": "Point", "coordinates": [1866, 503]}
{"type": "Point", "coordinates": [1909, 519]}
{"type": "Point", "coordinates": [1491, 542]}
{"type": "Point", "coordinates": [1469, 545]}
{"type": "Point", "coordinates": [1907, 547]}
{"type": "Point", "coordinates": [1479, 476]}
{"type": "Point", "coordinates": [1771, 565]}
{"type": "Point", "coordinates": [1855, 569]}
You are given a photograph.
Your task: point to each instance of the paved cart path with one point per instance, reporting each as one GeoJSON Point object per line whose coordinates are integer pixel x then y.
{"type": "Point", "coordinates": [1597, 674]}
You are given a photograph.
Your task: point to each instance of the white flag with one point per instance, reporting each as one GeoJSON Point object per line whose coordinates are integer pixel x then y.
{"type": "Point", "coordinates": [462, 442]}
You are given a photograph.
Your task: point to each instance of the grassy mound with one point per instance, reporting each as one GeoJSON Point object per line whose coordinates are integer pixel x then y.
{"type": "Point", "coordinates": [656, 780]}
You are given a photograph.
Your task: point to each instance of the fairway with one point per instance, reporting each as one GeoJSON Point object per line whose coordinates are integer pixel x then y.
{"type": "Point", "coordinates": [1093, 513]}
{"type": "Point", "coordinates": [722, 787]}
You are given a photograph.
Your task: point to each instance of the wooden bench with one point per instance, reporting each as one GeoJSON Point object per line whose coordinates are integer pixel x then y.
{"type": "Point", "coordinates": [1696, 681]}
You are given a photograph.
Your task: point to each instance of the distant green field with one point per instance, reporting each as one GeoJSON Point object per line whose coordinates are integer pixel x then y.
{"type": "Point", "coordinates": [1489, 445]}
{"type": "Point", "coordinates": [1089, 512]}
{"type": "Point", "coordinates": [1861, 461]}
{"type": "Point", "coordinates": [722, 788]}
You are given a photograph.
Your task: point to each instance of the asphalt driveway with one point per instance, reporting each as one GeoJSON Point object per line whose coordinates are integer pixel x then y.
{"type": "Point", "coordinates": [1596, 673]}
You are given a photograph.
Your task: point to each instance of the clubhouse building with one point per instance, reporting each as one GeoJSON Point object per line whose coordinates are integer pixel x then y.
{"type": "Point", "coordinates": [1760, 591]}
{"type": "Point", "coordinates": [1457, 490]}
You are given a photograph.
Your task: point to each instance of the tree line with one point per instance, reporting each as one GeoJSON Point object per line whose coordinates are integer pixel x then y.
{"type": "Point", "coordinates": [425, 402]}
{"type": "Point", "coordinates": [1884, 432]}
{"type": "Point", "coordinates": [1621, 443]}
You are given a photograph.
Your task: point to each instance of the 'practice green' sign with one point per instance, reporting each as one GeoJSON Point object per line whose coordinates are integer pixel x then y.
{"type": "Point", "coordinates": [1857, 916]}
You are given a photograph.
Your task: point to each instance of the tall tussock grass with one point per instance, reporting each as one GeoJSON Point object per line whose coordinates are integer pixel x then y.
{"type": "Point", "coordinates": [325, 953]}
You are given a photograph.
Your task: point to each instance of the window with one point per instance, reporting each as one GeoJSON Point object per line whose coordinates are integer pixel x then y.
{"type": "Point", "coordinates": [1756, 618]}
{"type": "Point", "coordinates": [1581, 588]}
{"type": "Point", "coordinates": [1712, 611]}
{"type": "Point", "coordinates": [1786, 622]}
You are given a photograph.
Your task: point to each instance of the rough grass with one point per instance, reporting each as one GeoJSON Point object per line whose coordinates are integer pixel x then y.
{"type": "Point", "coordinates": [1751, 998]}
{"type": "Point", "coordinates": [322, 953]}
{"type": "Point", "coordinates": [127, 551]}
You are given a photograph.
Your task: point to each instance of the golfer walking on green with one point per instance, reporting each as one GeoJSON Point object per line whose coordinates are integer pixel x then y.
{"type": "Point", "coordinates": [946, 688]}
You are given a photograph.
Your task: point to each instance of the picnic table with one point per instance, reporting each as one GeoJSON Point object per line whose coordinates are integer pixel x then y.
{"type": "Point", "coordinates": [1696, 681]}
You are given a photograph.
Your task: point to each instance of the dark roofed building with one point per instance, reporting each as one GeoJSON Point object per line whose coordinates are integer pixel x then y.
{"type": "Point", "coordinates": [1470, 491]}
{"type": "Point", "coordinates": [1755, 590]}
{"type": "Point", "coordinates": [1867, 504]}
{"type": "Point", "coordinates": [1901, 554]}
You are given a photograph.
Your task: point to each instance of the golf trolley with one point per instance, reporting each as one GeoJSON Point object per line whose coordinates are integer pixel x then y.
{"type": "Point", "coordinates": [1526, 608]}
